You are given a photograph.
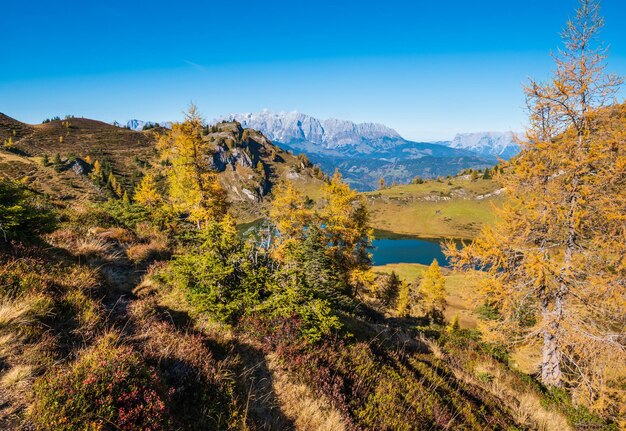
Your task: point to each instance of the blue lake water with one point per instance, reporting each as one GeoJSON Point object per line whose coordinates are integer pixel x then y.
{"type": "Point", "coordinates": [408, 250]}
{"type": "Point", "coordinates": [389, 247]}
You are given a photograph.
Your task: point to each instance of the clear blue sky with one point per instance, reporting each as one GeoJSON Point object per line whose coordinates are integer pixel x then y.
{"type": "Point", "coordinates": [427, 68]}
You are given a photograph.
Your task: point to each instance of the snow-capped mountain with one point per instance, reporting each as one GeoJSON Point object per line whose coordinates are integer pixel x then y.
{"type": "Point", "coordinates": [362, 152]}
{"type": "Point", "coordinates": [306, 133]}
{"type": "Point", "coordinates": [488, 144]}
{"type": "Point", "coordinates": [138, 125]}
{"type": "Point", "coordinates": [365, 152]}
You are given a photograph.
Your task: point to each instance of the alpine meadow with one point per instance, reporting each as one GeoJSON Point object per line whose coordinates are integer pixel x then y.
{"type": "Point", "coordinates": [235, 267]}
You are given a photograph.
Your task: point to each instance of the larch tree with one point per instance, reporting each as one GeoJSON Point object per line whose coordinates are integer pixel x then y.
{"type": "Point", "coordinates": [580, 82]}
{"type": "Point", "coordinates": [193, 183]}
{"type": "Point", "coordinates": [346, 219]}
{"type": "Point", "coordinates": [96, 173]}
{"type": "Point", "coordinates": [403, 301]}
{"type": "Point", "coordinates": [291, 216]}
{"type": "Point", "coordinates": [556, 260]}
{"type": "Point", "coordinates": [433, 291]}
{"type": "Point", "coordinates": [146, 193]}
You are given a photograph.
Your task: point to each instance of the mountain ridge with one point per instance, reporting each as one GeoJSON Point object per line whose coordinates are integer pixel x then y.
{"type": "Point", "coordinates": [363, 152]}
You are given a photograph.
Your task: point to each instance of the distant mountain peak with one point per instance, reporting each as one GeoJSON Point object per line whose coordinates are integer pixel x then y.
{"type": "Point", "coordinates": [138, 125]}
{"type": "Point", "coordinates": [296, 128]}
{"type": "Point", "coordinates": [491, 144]}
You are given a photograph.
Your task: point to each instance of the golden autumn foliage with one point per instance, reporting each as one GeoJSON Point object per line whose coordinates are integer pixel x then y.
{"type": "Point", "coordinates": [290, 214]}
{"type": "Point", "coordinates": [342, 221]}
{"type": "Point", "coordinates": [403, 301]}
{"type": "Point", "coordinates": [346, 219]}
{"type": "Point", "coordinates": [96, 172]}
{"type": "Point", "coordinates": [193, 184]}
{"type": "Point", "coordinates": [433, 290]}
{"type": "Point", "coordinates": [556, 259]}
{"type": "Point", "coordinates": [146, 193]}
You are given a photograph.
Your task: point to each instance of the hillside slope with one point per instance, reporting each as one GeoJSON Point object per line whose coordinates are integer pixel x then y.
{"type": "Point", "coordinates": [92, 317]}
{"type": "Point", "coordinates": [131, 153]}
{"type": "Point", "coordinates": [453, 208]}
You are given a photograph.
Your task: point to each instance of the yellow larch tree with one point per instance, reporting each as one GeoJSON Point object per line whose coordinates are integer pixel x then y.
{"type": "Point", "coordinates": [146, 193]}
{"type": "Point", "coordinates": [96, 172]}
{"type": "Point", "coordinates": [556, 260]}
{"type": "Point", "coordinates": [193, 182]}
{"type": "Point", "coordinates": [291, 215]}
{"type": "Point", "coordinates": [345, 217]}
{"type": "Point", "coordinates": [433, 291]}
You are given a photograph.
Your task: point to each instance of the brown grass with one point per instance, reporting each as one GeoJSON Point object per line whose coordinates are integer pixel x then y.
{"type": "Point", "coordinates": [525, 406]}
{"type": "Point", "coordinates": [308, 411]}
{"type": "Point", "coordinates": [16, 375]}
{"type": "Point", "coordinates": [155, 249]}
{"type": "Point", "coordinates": [23, 311]}
{"type": "Point", "coordinates": [121, 235]}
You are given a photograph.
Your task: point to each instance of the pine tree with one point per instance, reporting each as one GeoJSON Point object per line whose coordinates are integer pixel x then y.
{"type": "Point", "coordinates": [57, 163]}
{"type": "Point", "coordinates": [391, 290]}
{"type": "Point", "coordinates": [555, 259]}
{"type": "Point", "coordinates": [433, 292]}
{"type": "Point", "coordinates": [381, 183]}
{"type": "Point", "coordinates": [193, 183]}
{"type": "Point", "coordinates": [487, 174]}
{"type": "Point", "coordinates": [146, 194]}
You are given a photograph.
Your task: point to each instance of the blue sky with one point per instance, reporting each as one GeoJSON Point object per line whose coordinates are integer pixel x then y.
{"type": "Point", "coordinates": [428, 69]}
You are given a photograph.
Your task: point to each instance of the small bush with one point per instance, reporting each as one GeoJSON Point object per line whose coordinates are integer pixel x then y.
{"type": "Point", "coordinates": [22, 213]}
{"type": "Point", "coordinates": [109, 387]}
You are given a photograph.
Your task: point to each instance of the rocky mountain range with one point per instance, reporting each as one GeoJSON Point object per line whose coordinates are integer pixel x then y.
{"type": "Point", "coordinates": [366, 152]}
{"type": "Point", "coordinates": [488, 144]}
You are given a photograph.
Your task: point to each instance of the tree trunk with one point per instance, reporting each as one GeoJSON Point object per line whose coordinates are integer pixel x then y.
{"type": "Point", "coordinates": [551, 374]}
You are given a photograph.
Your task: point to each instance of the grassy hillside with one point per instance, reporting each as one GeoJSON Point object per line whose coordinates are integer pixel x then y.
{"type": "Point", "coordinates": [87, 308]}
{"type": "Point", "coordinates": [462, 299]}
{"type": "Point", "coordinates": [456, 207]}
{"type": "Point", "coordinates": [131, 154]}
{"type": "Point", "coordinates": [451, 208]}
{"type": "Point", "coordinates": [117, 316]}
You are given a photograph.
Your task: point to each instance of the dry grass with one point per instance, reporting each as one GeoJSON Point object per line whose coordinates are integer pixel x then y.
{"type": "Point", "coordinates": [156, 248]}
{"type": "Point", "coordinates": [23, 311]}
{"type": "Point", "coordinates": [525, 406]}
{"type": "Point", "coordinates": [16, 375]}
{"type": "Point", "coordinates": [121, 235]}
{"type": "Point", "coordinates": [79, 277]}
{"type": "Point", "coordinates": [89, 313]}
{"type": "Point", "coordinates": [91, 247]}
{"type": "Point", "coordinates": [308, 411]}
{"type": "Point", "coordinates": [7, 343]}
